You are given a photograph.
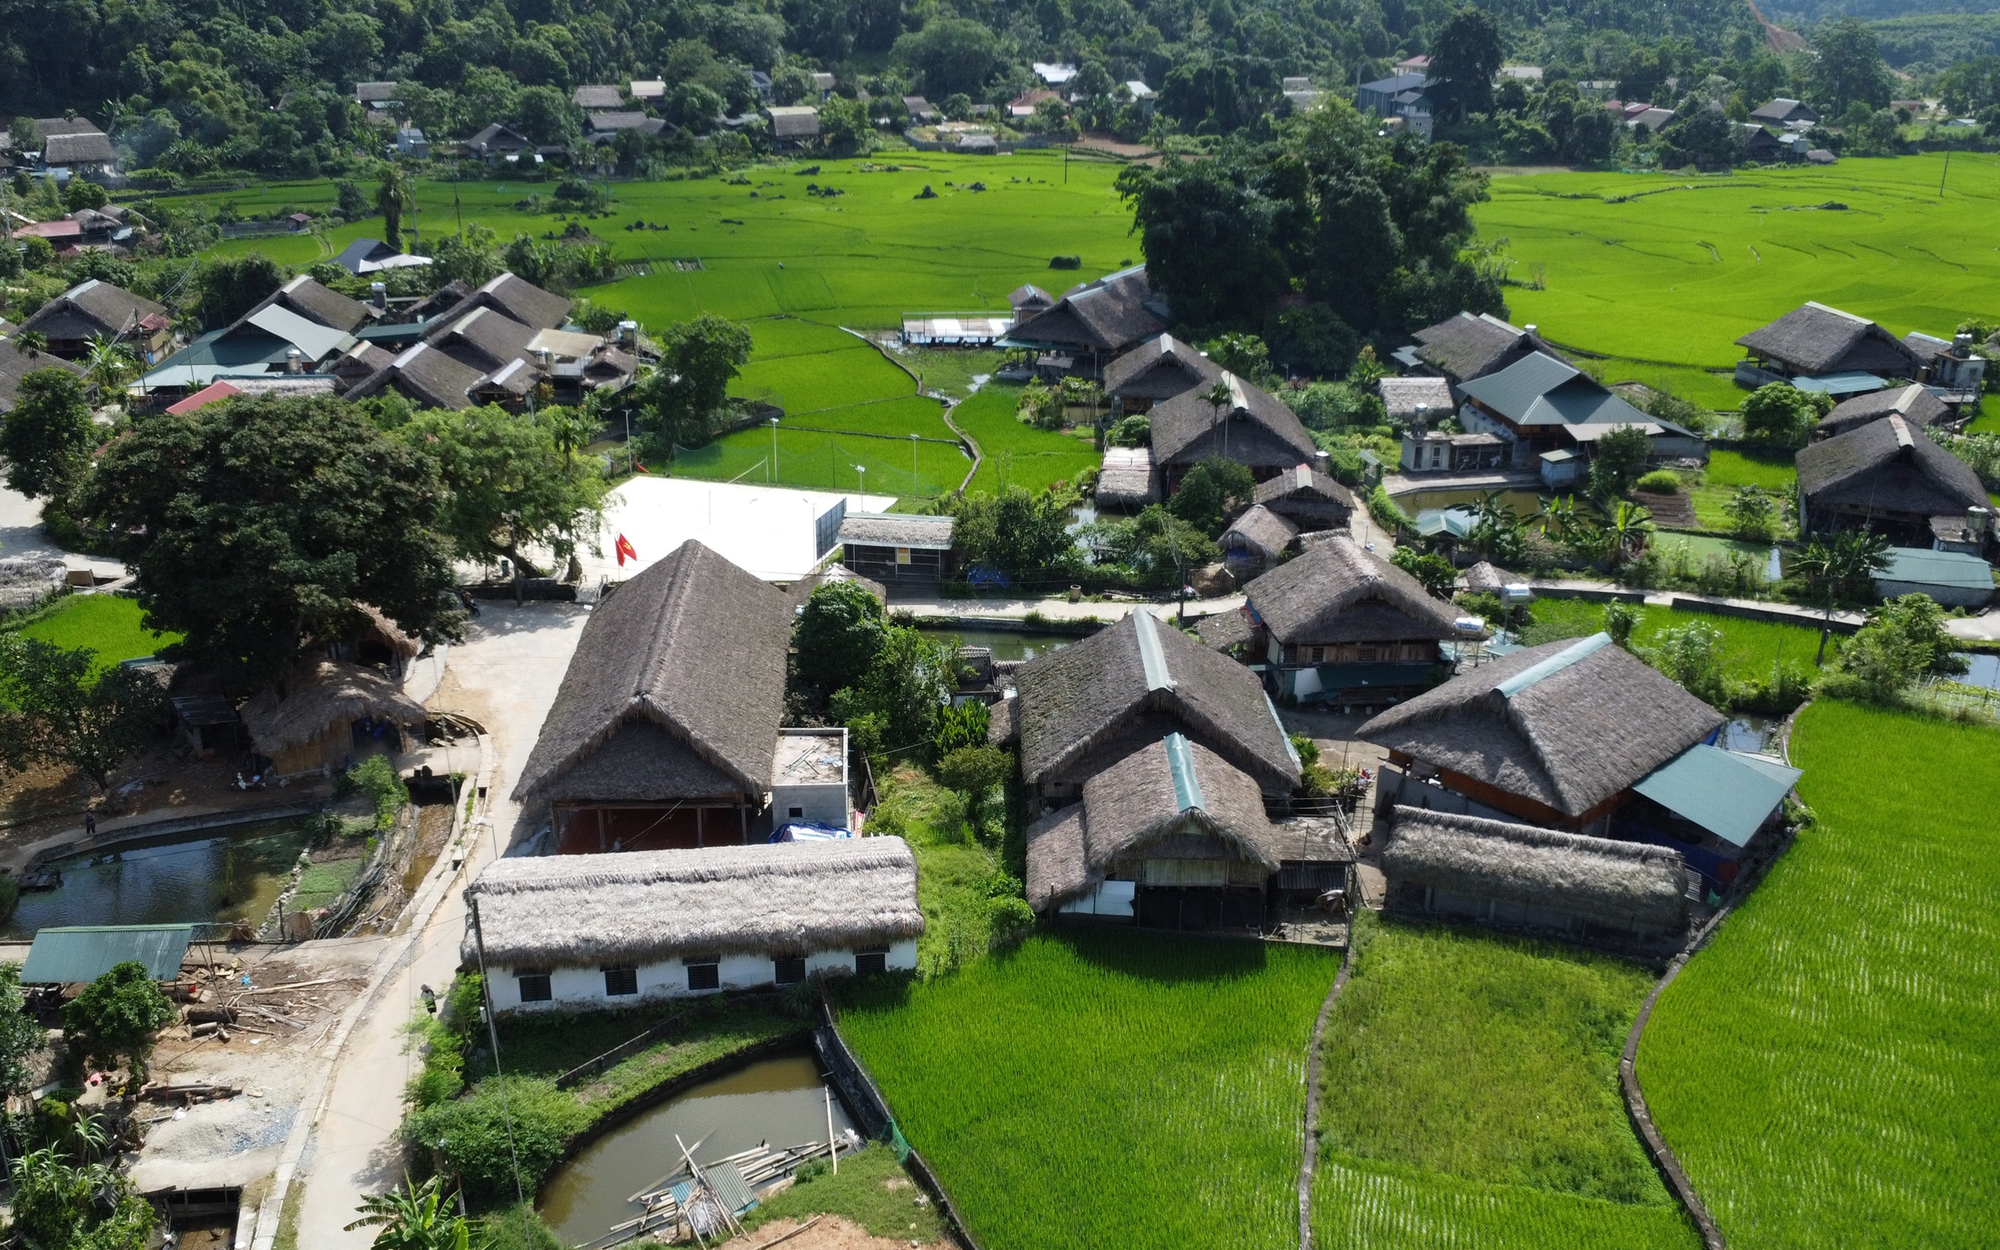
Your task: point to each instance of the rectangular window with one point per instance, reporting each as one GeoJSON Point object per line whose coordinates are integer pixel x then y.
{"type": "Point", "coordinates": [796, 812]}
{"type": "Point", "coordinates": [704, 976]}
{"type": "Point", "coordinates": [1367, 655]}
{"type": "Point", "coordinates": [902, 555]}
{"type": "Point", "coordinates": [866, 962]}
{"type": "Point", "coordinates": [620, 981]}
{"type": "Point", "coordinates": [534, 983]}
{"type": "Point", "coordinates": [789, 969]}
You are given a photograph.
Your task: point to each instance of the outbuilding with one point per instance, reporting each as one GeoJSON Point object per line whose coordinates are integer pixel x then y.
{"type": "Point", "coordinates": [897, 548]}
{"type": "Point", "coordinates": [610, 931]}
{"type": "Point", "coordinates": [1953, 578]}
{"type": "Point", "coordinates": [329, 715]}
{"type": "Point", "coordinates": [1307, 497]}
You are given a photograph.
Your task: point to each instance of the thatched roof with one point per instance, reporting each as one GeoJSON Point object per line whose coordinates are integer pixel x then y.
{"type": "Point", "coordinates": [387, 631]}
{"type": "Point", "coordinates": [1617, 884]}
{"type": "Point", "coordinates": [1335, 591]}
{"type": "Point", "coordinates": [1225, 629]}
{"type": "Point", "coordinates": [1160, 368]}
{"type": "Point", "coordinates": [321, 696]}
{"type": "Point", "coordinates": [1567, 724]}
{"type": "Point", "coordinates": [833, 574]}
{"type": "Point", "coordinates": [482, 339]}
{"type": "Point", "coordinates": [16, 364]}
{"type": "Point", "coordinates": [1126, 479]}
{"type": "Point", "coordinates": [1887, 466]}
{"type": "Point", "coordinates": [1107, 315]}
{"type": "Point", "coordinates": [317, 303]}
{"type": "Point", "coordinates": [1815, 339]}
{"type": "Point", "coordinates": [694, 645]}
{"type": "Point", "coordinates": [92, 308]}
{"type": "Point", "coordinates": [1468, 346]}
{"type": "Point", "coordinates": [637, 907]}
{"type": "Point", "coordinates": [898, 529]}
{"type": "Point", "coordinates": [1133, 682]}
{"type": "Point", "coordinates": [1263, 431]}
{"type": "Point", "coordinates": [1303, 488]}
{"type": "Point", "coordinates": [1486, 578]}
{"type": "Point", "coordinates": [1913, 403]}
{"type": "Point", "coordinates": [1262, 531]}
{"type": "Point", "coordinates": [1403, 397]}
{"type": "Point", "coordinates": [424, 374]}
{"type": "Point", "coordinates": [1170, 799]}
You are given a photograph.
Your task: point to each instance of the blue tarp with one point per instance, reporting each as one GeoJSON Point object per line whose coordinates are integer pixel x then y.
{"type": "Point", "coordinates": [809, 831]}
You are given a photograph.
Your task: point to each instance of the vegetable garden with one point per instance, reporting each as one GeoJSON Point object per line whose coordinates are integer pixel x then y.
{"type": "Point", "coordinates": [1824, 1068]}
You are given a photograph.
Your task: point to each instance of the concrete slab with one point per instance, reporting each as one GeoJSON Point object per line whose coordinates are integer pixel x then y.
{"type": "Point", "coordinates": [764, 529]}
{"type": "Point", "coordinates": [21, 534]}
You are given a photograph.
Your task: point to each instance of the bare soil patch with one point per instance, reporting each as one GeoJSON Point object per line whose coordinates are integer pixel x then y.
{"type": "Point", "coordinates": [827, 1232]}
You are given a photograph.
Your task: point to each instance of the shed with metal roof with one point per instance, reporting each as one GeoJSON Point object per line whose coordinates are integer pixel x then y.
{"type": "Point", "coordinates": [86, 952]}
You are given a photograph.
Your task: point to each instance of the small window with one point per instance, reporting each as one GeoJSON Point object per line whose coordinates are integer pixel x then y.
{"type": "Point", "coordinates": [619, 982]}
{"type": "Point", "coordinates": [867, 962]}
{"type": "Point", "coordinates": [902, 555]}
{"type": "Point", "coordinates": [796, 812]}
{"type": "Point", "coordinates": [704, 976]}
{"type": "Point", "coordinates": [534, 985]}
{"type": "Point", "coordinates": [789, 970]}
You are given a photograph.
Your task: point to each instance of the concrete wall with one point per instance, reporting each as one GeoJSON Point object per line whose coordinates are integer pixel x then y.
{"type": "Point", "coordinates": [575, 989]}
{"type": "Point", "coordinates": [826, 804]}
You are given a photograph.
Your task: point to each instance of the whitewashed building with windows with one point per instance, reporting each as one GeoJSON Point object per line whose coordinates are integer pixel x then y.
{"type": "Point", "coordinates": [591, 932]}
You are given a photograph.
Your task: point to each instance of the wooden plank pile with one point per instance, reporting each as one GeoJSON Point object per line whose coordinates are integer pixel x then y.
{"type": "Point", "coordinates": [702, 1201]}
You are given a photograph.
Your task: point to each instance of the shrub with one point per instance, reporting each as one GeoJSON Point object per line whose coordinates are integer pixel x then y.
{"type": "Point", "coordinates": [474, 1132]}
{"type": "Point", "coordinates": [1659, 482]}
{"type": "Point", "coordinates": [1753, 514]}
{"type": "Point", "coordinates": [1434, 572]}
{"type": "Point", "coordinates": [974, 770]}
{"type": "Point", "coordinates": [1065, 262]}
{"type": "Point", "coordinates": [1132, 431]}
{"type": "Point", "coordinates": [376, 778]}
{"type": "Point", "coordinates": [1782, 415]}
{"type": "Point", "coordinates": [1386, 512]}
{"type": "Point", "coordinates": [115, 1018]}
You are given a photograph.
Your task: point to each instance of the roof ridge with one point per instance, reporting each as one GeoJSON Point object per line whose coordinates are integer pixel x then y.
{"type": "Point", "coordinates": [1180, 767]}
{"type": "Point", "coordinates": [1572, 654]}
{"type": "Point", "coordinates": [1152, 657]}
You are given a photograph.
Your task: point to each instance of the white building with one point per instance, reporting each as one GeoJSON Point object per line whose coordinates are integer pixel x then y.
{"type": "Point", "coordinates": [809, 778]}
{"type": "Point", "coordinates": [582, 932]}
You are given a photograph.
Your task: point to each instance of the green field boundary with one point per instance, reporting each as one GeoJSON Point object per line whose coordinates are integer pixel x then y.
{"type": "Point", "coordinates": [894, 438]}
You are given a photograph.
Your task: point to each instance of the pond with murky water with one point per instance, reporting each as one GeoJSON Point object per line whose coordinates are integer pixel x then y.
{"type": "Point", "coordinates": [1004, 644]}
{"type": "Point", "coordinates": [213, 875]}
{"type": "Point", "coordinates": [781, 1100]}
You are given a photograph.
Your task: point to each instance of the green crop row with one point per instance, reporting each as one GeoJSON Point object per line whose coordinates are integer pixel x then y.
{"type": "Point", "coordinates": [1014, 453]}
{"type": "Point", "coordinates": [1825, 1067]}
{"type": "Point", "coordinates": [1105, 1089]}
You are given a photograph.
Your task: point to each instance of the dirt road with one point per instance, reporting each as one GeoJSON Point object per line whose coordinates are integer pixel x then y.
{"type": "Point", "coordinates": [505, 677]}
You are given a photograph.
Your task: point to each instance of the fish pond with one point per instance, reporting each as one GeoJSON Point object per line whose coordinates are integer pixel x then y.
{"type": "Point", "coordinates": [208, 875]}
{"type": "Point", "coordinates": [1004, 644]}
{"type": "Point", "coordinates": [780, 1100]}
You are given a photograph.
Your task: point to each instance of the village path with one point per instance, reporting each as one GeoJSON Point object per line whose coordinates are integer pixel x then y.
{"type": "Point", "coordinates": [505, 677]}
{"type": "Point", "coordinates": [21, 534]}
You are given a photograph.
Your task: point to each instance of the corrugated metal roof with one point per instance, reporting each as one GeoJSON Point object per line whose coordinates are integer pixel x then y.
{"type": "Point", "coordinates": [1554, 664]}
{"type": "Point", "coordinates": [1725, 792]}
{"type": "Point", "coordinates": [1937, 568]}
{"type": "Point", "coordinates": [1180, 763]}
{"type": "Point", "coordinates": [87, 952]}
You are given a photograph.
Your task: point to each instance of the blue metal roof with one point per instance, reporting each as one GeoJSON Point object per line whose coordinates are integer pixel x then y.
{"type": "Point", "coordinates": [1924, 567]}
{"type": "Point", "coordinates": [1553, 665]}
{"type": "Point", "coordinates": [1180, 763]}
{"type": "Point", "coordinates": [1725, 792]}
{"type": "Point", "coordinates": [87, 952]}
{"type": "Point", "coordinates": [1840, 383]}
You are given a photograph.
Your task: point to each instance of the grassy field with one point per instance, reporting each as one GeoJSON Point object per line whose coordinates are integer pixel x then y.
{"type": "Point", "coordinates": [107, 624]}
{"type": "Point", "coordinates": [862, 258]}
{"type": "Point", "coordinates": [1774, 471]}
{"type": "Point", "coordinates": [1749, 648]}
{"type": "Point", "coordinates": [1015, 453]}
{"type": "Point", "coordinates": [1666, 271]}
{"type": "Point", "coordinates": [1471, 1098]}
{"type": "Point", "coordinates": [1086, 1090]}
{"type": "Point", "coordinates": [1825, 1068]}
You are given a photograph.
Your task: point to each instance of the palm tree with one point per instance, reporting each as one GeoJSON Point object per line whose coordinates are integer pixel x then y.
{"type": "Point", "coordinates": [31, 343]}
{"type": "Point", "coordinates": [1222, 398]}
{"type": "Point", "coordinates": [414, 1217]}
{"type": "Point", "coordinates": [1835, 564]}
{"type": "Point", "coordinates": [1629, 524]}
{"type": "Point", "coordinates": [107, 368]}
{"type": "Point", "coordinates": [391, 198]}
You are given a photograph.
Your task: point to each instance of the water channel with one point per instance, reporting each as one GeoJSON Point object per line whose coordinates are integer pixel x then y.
{"type": "Point", "coordinates": [780, 1100]}
{"type": "Point", "coordinates": [1004, 644]}
{"type": "Point", "coordinates": [222, 874]}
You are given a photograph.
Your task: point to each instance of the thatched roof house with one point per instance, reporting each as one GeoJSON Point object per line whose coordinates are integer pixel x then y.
{"type": "Point", "coordinates": [330, 713]}
{"type": "Point", "coordinates": [1095, 321]}
{"type": "Point", "coordinates": [1307, 498]}
{"type": "Point", "coordinates": [662, 732]}
{"type": "Point", "coordinates": [16, 364]}
{"type": "Point", "coordinates": [1913, 403]}
{"type": "Point", "coordinates": [1255, 429]}
{"type": "Point", "coordinates": [1126, 479]}
{"type": "Point", "coordinates": [1157, 369]}
{"type": "Point", "coordinates": [1520, 876]}
{"type": "Point", "coordinates": [576, 930]}
{"type": "Point", "coordinates": [1083, 706]}
{"type": "Point", "coordinates": [833, 575]}
{"type": "Point", "coordinates": [1887, 476]}
{"type": "Point", "coordinates": [1470, 346]}
{"type": "Point", "coordinates": [1814, 340]}
{"type": "Point", "coordinates": [1340, 623]}
{"type": "Point", "coordinates": [1485, 578]}
{"type": "Point", "coordinates": [1170, 814]}
{"type": "Point", "coordinates": [1554, 735]}
{"type": "Point", "coordinates": [95, 309]}
{"type": "Point", "coordinates": [1258, 537]}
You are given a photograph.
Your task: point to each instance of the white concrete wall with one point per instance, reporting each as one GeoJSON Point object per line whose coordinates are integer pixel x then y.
{"type": "Point", "coordinates": [583, 988]}
{"type": "Point", "coordinates": [826, 804]}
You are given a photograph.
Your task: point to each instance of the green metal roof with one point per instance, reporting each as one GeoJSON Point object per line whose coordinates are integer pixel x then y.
{"type": "Point", "coordinates": [85, 953]}
{"type": "Point", "coordinates": [1937, 568]}
{"type": "Point", "coordinates": [1180, 763]}
{"type": "Point", "coordinates": [1725, 792]}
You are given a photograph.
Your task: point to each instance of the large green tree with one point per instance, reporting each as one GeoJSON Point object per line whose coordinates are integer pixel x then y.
{"type": "Point", "coordinates": [233, 285]}
{"type": "Point", "coordinates": [1024, 534]}
{"type": "Point", "coordinates": [57, 708]}
{"type": "Point", "coordinates": [47, 436]}
{"type": "Point", "coordinates": [840, 632]}
{"type": "Point", "coordinates": [1847, 67]}
{"type": "Point", "coordinates": [951, 54]}
{"type": "Point", "coordinates": [682, 397]}
{"type": "Point", "coordinates": [1465, 56]}
{"type": "Point", "coordinates": [510, 483]}
{"type": "Point", "coordinates": [256, 525]}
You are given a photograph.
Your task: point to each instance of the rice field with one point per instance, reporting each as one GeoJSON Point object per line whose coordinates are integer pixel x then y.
{"type": "Point", "coordinates": [1774, 471]}
{"type": "Point", "coordinates": [110, 625]}
{"type": "Point", "coordinates": [1825, 1068]}
{"type": "Point", "coordinates": [1664, 272]}
{"type": "Point", "coordinates": [1471, 1099]}
{"type": "Point", "coordinates": [1105, 1089]}
{"type": "Point", "coordinates": [1016, 454]}
{"type": "Point", "coordinates": [1749, 648]}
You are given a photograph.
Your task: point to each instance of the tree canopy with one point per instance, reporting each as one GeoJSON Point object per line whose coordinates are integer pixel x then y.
{"type": "Point", "coordinates": [46, 438]}
{"type": "Point", "coordinates": [510, 482]}
{"type": "Point", "coordinates": [256, 525]}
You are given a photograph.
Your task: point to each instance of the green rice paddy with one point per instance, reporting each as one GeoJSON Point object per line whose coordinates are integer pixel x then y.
{"type": "Point", "coordinates": [1825, 1067]}
{"type": "Point", "coordinates": [1727, 470]}
{"type": "Point", "coordinates": [1105, 1089]}
{"type": "Point", "coordinates": [1749, 648]}
{"type": "Point", "coordinates": [1014, 453]}
{"type": "Point", "coordinates": [110, 625]}
{"type": "Point", "coordinates": [1665, 271]}
{"type": "Point", "coordinates": [1471, 1098]}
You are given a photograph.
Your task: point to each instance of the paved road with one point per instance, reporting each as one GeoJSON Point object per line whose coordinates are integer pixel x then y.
{"type": "Point", "coordinates": [21, 534]}
{"type": "Point", "coordinates": [505, 677]}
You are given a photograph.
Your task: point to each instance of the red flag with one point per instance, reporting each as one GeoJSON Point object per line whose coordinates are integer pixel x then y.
{"type": "Point", "coordinates": [626, 551]}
